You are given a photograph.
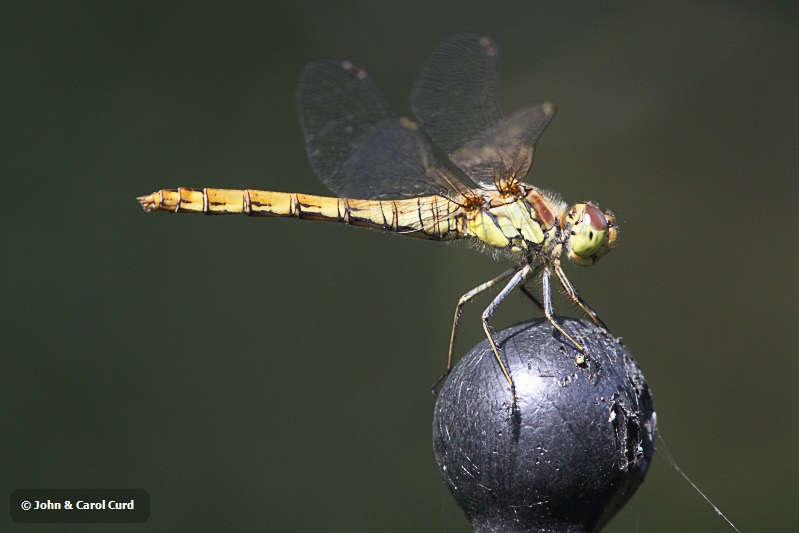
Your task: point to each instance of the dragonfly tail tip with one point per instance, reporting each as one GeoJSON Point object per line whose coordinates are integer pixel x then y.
{"type": "Point", "coordinates": [147, 202]}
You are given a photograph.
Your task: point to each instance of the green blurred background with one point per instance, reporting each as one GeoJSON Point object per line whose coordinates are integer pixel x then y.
{"type": "Point", "coordinates": [257, 374]}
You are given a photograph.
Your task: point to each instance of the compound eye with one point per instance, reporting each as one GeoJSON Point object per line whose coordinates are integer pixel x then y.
{"type": "Point", "coordinates": [589, 232]}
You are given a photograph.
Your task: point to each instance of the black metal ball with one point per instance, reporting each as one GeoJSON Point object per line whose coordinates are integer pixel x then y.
{"type": "Point", "coordinates": [572, 448]}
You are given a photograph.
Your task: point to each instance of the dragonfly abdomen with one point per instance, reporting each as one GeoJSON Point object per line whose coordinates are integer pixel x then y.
{"type": "Point", "coordinates": [428, 217]}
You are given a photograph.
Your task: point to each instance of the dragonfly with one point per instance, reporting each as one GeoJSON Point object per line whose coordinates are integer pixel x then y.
{"type": "Point", "coordinates": [386, 175]}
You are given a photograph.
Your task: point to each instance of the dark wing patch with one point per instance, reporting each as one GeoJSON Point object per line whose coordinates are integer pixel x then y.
{"type": "Point", "coordinates": [355, 143]}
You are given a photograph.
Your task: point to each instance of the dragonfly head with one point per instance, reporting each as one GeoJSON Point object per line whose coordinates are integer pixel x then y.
{"type": "Point", "coordinates": [590, 233]}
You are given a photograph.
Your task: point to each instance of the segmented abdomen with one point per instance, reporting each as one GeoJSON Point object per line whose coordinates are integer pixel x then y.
{"type": "Point", "coordinates": [428, 217]}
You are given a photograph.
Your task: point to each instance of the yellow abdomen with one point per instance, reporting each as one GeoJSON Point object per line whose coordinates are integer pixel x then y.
{"type": "Point", "coordinates": [427, 217]}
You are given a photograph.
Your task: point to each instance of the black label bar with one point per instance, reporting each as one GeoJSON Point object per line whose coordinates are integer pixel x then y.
{"type": "Point", "coordinates": [80, 505]}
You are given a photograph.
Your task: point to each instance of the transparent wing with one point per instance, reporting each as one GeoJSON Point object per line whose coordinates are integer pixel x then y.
{"type": "Point", "coordinates": [455, 94]}
{"type": "Point", "coordinates": [503, 155]}
{"type": "Point", "coordinates": [356, 144]}
{"type": "Point", "coordinates": [455, 100]}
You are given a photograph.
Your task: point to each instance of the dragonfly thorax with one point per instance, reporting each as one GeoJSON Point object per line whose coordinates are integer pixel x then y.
{"type": "Point", "coordinates": [524, 223]}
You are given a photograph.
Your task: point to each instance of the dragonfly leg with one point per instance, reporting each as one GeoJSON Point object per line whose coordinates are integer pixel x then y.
{"type": "Point", "coordinates": [572, 293]}
{"type": "Point", "coordinates": [463, 300]}
{"type": "Point", "coordinates": [550, 314]}
{"type": "Point", "coordinates": [517, 278]}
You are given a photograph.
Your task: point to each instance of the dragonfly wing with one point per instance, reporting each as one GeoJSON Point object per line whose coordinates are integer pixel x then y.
{"type": "Point", "coordinates": [455, 93]}
{"type": "Point", "coordinates": [356, 144]}
{"type": "Point", "coordinates": [503, 156]}
{"type": "Point", "coordinates": [455, 100]}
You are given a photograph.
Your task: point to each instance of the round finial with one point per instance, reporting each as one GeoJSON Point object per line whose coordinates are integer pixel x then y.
{"type": "Point", "coordinates": [572, 449]}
